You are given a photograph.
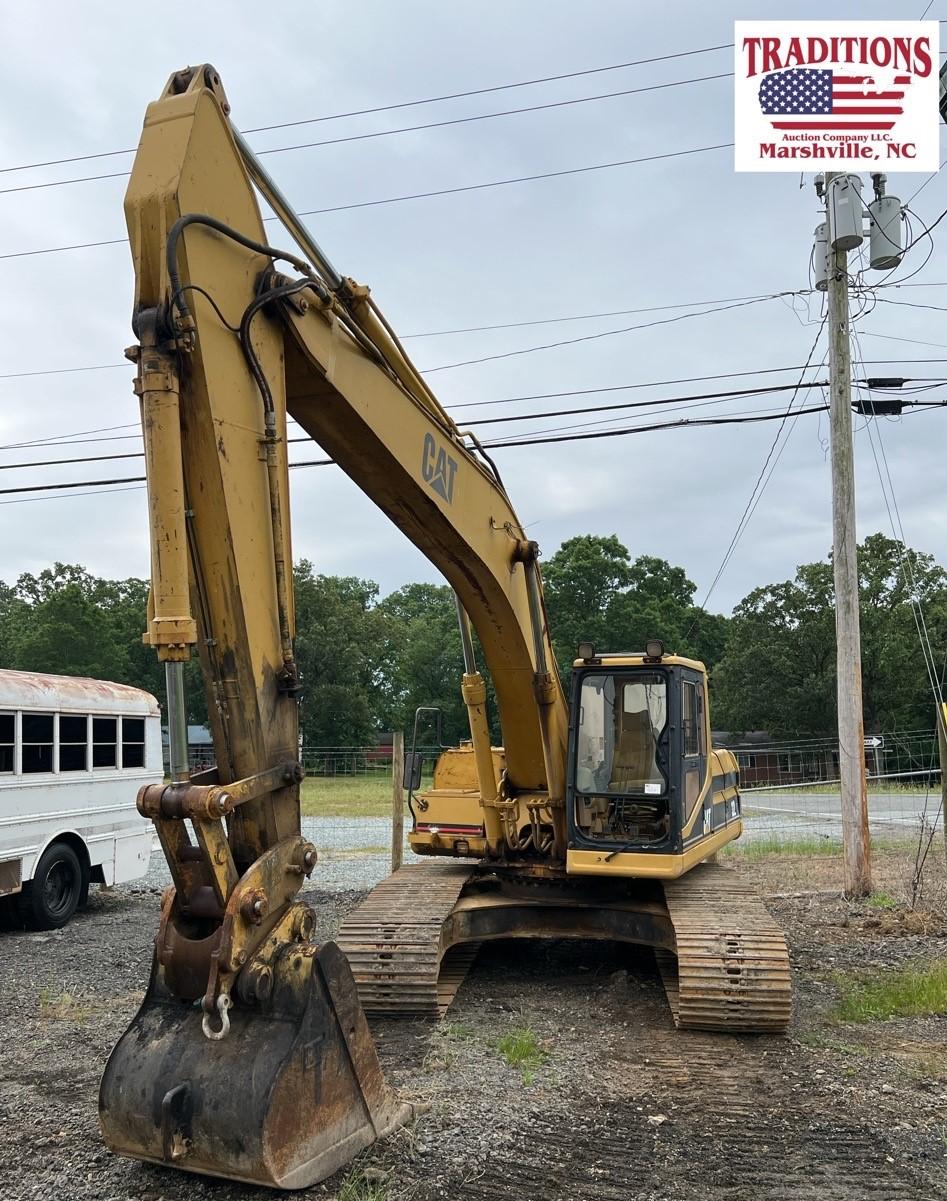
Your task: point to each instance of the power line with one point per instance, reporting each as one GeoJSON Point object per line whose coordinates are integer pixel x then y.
{"type": "Point", "coordinates": [139, 479]}
{"type": "Point", "coordinates": [341, 208]}
{"type": "Point", "coordinates": [756, 492]}
{"type": "Point", "coordinates": [654, 308]}
{"type": "Point", "coordinates": [62, 370]}
{"type": "Point", "coordinates": [894, 338]}
{"type": "Point", "coordinates": [531, 441]}
{"type": "Point", "coordinates": [695, 399]}
{"type": "Point", "coordinates": [77, 437]}
{"type": "Point", "coordinates": [926, 231]}
{"type": "Point", "coordinates": [709, 397]}
{"type": "Point", "coordinates": [498, 183]}
{"type": "Point", "coordinates": [131, 454]}
{"type": "Point", "coordinates": [384, 108]}
{"type": "Point", "coordinates": [739, 303]}
{"type": "Point", "coordinates": [65, 439]}
{"type": "Point", "coordinates": [26, 500]}
{"type": "Point", "coordinates": [657, 308]}
{"type": "Point", "coordinates": [683, 423]}
{"type": "Point", "coordinates": [692, 379]}
{"type": "Point", "coordinates": [23, 254]}
{"type": "Point", "coordinates": [911, 304]}
{"type": "Point", "coordinates": [131, 479]}
{"type": "Point", "coordinates": [387, 133]}
{"type": "Point", "coordinates": [509, 354]}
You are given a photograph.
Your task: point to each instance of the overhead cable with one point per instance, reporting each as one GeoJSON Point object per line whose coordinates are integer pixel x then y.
{"type": "Point", "coordinates": [341, 208]}
{"type": "Point", "coordinates": [387, 133]}
{"type": "Point", "coordinates": [384, 108]}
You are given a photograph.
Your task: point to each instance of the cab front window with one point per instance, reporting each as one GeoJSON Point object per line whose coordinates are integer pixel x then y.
{"type": "Point", "coordinates": [622, 719]}
{"type": "Point", "coordinates": [621, 791]}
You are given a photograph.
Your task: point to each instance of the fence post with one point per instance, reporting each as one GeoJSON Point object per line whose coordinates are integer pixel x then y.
{"type": "Point", "coordinates": [397, 800]}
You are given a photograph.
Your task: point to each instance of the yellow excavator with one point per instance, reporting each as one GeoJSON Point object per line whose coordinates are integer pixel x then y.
{"type": "Point", "coordinates": [251, 1056]}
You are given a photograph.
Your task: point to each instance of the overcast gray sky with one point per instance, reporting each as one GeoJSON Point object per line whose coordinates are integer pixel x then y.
{"type": "Point", "coordinates": [77, 79]}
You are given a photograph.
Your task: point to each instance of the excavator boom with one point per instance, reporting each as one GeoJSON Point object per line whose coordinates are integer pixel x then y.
{"type": "Point", "coordinates": [250, 1056]}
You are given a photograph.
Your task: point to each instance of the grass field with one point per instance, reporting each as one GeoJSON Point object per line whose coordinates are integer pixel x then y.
{"type": "Point", "coordinates": [347, 796]}
{"type": "Point", "coordinates": [759, 792]}
{"type": "Point", "coordinates": [368, 795]}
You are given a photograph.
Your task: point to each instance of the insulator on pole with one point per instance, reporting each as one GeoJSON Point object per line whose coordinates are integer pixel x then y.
{"type": "Point", "coordinates": [820, 256]}
{"type": "Point", "coordinates": [845, 212]}
{"type": "Point", "coordinates": [884, 216]}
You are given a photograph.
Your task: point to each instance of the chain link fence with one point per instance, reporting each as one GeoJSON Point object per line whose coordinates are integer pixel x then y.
{"type": "Point", "coordinates": [791, 794]}
{"type": "Point", "coordinates": [790, 789]}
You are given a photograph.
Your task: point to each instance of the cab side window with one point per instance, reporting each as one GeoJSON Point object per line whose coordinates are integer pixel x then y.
{"type": "Point", "coordinates": [693, 718]}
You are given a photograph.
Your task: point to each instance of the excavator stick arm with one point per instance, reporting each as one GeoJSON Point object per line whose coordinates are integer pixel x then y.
{"type": "Point", "coordinates": [250, 1056]}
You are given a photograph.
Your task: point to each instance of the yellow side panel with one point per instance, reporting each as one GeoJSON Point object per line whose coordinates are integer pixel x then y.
{"type": "Point", "coordinates": [649, 865]}
{"type": "Point", "coordinates": [456, 768]}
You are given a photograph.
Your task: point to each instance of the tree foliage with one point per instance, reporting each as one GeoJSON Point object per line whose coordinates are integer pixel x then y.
{"type": "Point", "coordinates": [596, 593]}
{"type": "Point", "coordinates": [425, 661]}
{"type": "Point", "coordinates": [778, 672]}
{"type": "Point", "coordinates": [367, 663]}
{"type": "Point", "coordinates": [341, 643]}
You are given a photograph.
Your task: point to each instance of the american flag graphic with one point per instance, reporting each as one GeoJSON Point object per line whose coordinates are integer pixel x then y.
{"type": "Point", "coordinates": [814, 100]}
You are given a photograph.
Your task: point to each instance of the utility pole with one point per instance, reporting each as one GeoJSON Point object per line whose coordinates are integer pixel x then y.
{"type": "Point", "coordinates": [397, 800]}
{"type": "Point", "coordinates": [851, 731]}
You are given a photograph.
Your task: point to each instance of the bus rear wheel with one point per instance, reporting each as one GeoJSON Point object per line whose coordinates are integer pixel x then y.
{"type": "Point", "coordinates": [54, 893]}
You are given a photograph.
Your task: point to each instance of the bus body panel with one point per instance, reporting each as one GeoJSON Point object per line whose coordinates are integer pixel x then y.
{"type": "Point", "coordinates": [54, 787]}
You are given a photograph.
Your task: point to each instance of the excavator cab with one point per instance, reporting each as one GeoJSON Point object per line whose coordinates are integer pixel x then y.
{"type": "Point", "coordinates": [645, 789]}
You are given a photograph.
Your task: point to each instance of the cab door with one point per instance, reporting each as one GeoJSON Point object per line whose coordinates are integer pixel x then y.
{"type": "Point", "coordinates": [694, 744]}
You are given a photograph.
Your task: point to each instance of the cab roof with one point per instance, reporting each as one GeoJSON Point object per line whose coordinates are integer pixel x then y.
{"type": "Point", "coordinates": [638, 659]}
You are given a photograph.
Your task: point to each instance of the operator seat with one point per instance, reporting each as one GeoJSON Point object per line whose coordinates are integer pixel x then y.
{"type": "Point", "coordinates": [634, 762]}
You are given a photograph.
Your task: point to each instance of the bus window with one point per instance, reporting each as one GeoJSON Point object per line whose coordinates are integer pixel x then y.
{"type": "Point", "coordinates": [73, 742]}
{"type": "Point", "coordinates": [7, 741]}
{"type": "Point", "coordinates": [104, 748]}
{"type": "Point", "coordinates": [133, 742]}
{"type": "Point", "coordinates": [37, 742]}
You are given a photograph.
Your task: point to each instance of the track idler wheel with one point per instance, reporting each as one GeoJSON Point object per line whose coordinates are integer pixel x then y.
{"type": "Point", "coordinates": [290, 1094]}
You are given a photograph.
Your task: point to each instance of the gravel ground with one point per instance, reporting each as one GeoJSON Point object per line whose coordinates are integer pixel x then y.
{"type": "Point", "coordinates": [621, 1105]}
{"type": "Point", "coordinates": [354, 853]}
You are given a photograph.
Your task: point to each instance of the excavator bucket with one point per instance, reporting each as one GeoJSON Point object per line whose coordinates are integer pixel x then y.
{"type": "Point", "coordinates": [291, 1093]}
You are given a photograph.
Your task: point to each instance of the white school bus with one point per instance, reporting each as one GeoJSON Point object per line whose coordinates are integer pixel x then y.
{"type": "Point", "coordinates": [73, 754]}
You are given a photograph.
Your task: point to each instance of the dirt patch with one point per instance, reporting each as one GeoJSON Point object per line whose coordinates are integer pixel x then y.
{"type": "Point", "coordinates": [617, 1105]}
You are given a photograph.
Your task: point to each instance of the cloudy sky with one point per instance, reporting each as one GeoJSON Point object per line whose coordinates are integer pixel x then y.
{"type": "Point", "coordinates": [673, 232]}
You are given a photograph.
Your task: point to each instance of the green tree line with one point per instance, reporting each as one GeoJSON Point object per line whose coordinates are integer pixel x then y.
{"type": "Point", "coordinates": [369, 661]}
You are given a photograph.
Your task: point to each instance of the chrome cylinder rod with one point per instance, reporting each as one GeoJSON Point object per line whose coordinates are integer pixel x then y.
{"type": "Point", "coordinates": [177, 721]}
{"type": "Point", "coordinates": [284, 210]}
{"type": "Point", "coordinates": [466, 639]}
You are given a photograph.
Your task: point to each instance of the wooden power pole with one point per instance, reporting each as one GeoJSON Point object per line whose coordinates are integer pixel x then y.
{"type": "Point", "coordinates": [851, 730]}
{"type": "Point", "coordinates": [397, 800]}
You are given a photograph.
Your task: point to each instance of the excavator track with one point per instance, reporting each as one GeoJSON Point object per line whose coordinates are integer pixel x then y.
{"type": "Point", "coordinates": [395, 942]}
{"type": "Point", "coordinates": [731, 971]}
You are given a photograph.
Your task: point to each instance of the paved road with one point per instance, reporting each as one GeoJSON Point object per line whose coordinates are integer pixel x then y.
{"type": "Point", "coordinates": [795, 811]}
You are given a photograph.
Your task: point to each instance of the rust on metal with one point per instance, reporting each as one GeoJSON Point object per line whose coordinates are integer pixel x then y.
{"type": "Point", "coordinates": [292, 1094]}
{"type": "Point", "coordinates": [413, 939]}
{"type": "Point", "coordinates": [723, 959]}
{"type": "Point", "coordinates": [38, 690]}
{"type": "Point", "coordinates": [213, 800]}
{"type": "Point", "coordinates": [732, 964]}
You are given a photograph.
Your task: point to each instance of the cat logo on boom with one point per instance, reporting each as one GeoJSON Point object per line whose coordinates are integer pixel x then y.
{"type": "Point", "coordinates": [438, 468]}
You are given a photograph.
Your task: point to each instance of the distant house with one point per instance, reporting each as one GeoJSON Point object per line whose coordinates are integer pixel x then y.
{"type": "Point", "coordinates": [200, 747]}
{"type": "Point", "coordinates": [763, 761]}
